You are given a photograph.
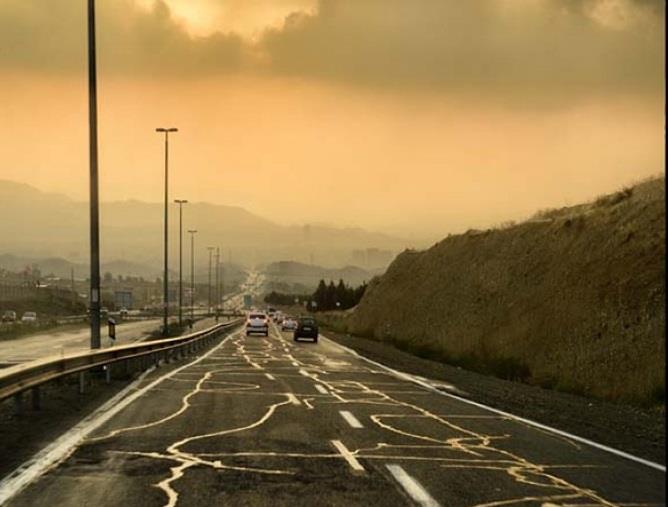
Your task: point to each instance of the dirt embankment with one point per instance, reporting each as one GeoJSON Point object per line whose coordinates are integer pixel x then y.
{"type": "Point", "coordinates": [573, 299]}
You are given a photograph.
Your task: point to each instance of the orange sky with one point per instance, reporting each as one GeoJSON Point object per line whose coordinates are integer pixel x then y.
{"type": "Point", "coordinates": [357, 140]}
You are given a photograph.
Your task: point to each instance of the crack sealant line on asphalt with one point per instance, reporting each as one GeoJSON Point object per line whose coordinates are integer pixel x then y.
{"type": "Point", "coordinates": [62, 448]}
{"type": "Point", "coordinates": [529, 422]}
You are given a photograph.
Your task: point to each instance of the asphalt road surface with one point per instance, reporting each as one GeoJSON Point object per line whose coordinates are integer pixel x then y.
{"type": "Point", "coordinates": [68, 340]}
{"type": "Point", "coordinates": [266, 421]}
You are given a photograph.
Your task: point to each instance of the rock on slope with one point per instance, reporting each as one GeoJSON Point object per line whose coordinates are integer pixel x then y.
{"type": "Point", "coordinates": [573, 300]}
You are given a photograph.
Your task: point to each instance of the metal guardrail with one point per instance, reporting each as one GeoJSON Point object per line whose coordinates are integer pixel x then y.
{"type": "Point", "coordinates": [14, 380]}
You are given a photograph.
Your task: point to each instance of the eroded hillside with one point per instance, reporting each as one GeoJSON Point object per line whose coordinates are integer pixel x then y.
{"type": "Point", "coordinates": [572, 299]}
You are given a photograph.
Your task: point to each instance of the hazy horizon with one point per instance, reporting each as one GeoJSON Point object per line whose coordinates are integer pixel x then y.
{"type": "Point", "coordinates": [416, 120]}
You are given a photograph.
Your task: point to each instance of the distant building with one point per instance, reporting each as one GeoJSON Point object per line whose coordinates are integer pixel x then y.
{"type": "Point", "coordinates": [372, 257]}
{"type": "Point", "coordinates": [123, 299]}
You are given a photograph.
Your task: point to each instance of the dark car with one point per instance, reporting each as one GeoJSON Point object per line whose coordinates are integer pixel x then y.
{"type": "Point", "coordinates": [307, 327]}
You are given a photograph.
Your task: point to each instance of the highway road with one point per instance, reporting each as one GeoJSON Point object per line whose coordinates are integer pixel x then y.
{"type": "Point", "coordinates": [266, 421]}
{"type": "Point", "coordinates": [68, 340]}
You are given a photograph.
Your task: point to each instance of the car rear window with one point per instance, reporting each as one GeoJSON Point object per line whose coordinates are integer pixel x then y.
{"type": "Point", "coordinates": [308, 322]}
{"type": "Point", "coordinates": [257, 316]}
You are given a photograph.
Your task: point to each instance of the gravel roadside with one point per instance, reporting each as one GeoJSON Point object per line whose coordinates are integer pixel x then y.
{"type": "Point", "coordinates": [635, 430]}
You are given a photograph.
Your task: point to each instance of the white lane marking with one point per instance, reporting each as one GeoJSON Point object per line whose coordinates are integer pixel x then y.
{"type": "Point", "coordinates": [320, 388]}
{"type": "Point", "coordinates": [304, 372]}
{"type": "Point", "coordinates": [270, 376]}
{"type": "Point", "coordinates": [350, 419]}
{"type": "Point", "coordinates": [529, 422]}
{"type": "Point", "coordinates": [348, 456]}
{"type": "Point", "coordinates": [412, 487]}
{"type": "Point", "coordinates": [293, 399]}
{"type": "Point", "coordinates": [64, 446]}
{"type": "Point", "coordinates": [294, 363]}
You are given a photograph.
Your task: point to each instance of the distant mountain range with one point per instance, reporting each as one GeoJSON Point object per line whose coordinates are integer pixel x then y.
{"type": "Point", "coordinates": [45, 225]}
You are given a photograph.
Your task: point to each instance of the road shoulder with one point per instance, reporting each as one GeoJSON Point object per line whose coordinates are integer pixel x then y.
{"type": "Point", "coordinates": [631, 429]}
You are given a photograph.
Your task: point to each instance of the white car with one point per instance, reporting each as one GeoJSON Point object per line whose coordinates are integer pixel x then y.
{"type": "Point", "coordinates": [29, 317]}
{"type": "Point", "coordinates": [288, 324]}
{"type": "Point", "coordinates": [257, 323]}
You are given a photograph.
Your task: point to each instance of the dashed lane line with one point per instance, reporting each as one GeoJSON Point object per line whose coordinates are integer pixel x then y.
{"type": "Point", "coordinates": [321, 389]}
{"type": "Point", "coordinates": [351, 419]}
{"type": "Point", "coordinates": [348, 456]}
{"type": "Point", "coordinates": [293, 399]}
{"type": "Point", "coordinates": [412, 487]}
{"type": "Point", "coordinates": [270, 376]}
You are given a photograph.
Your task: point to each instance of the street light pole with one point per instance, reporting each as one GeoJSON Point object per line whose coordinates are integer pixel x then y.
{"type": "Point", "coordinates": [210, 249]}
{"type": "Point", "coordinates": [217, 291]}
{"type": "Point", "coordinates": [192, 233]}
{"type": "Point", "coordinates": [93, 189]}
{"type": "Point", "coordinates": [180, 202]}
{"type": "Point", "coordinates": [165, 296]}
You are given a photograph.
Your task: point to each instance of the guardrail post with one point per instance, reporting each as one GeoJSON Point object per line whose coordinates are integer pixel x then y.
{"type": "Point", "coordinates": [156, 360]}
{"type": "Point", "coordinates": [18, 403]}
{"type": "Point", "coordinates": [36, 398]}
{"type": "Point", "coordinates": [82, 382]}
{"type": "Point", "coordinates": [107, 374]}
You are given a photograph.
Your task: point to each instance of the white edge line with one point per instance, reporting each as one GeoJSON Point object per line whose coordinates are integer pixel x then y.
{"type": "Point", "coordinates": [348, 456]}
{"type": "Point", "coordinates": [293, 399]}
{"type": "Point", "coordinates": [61, 448]}
{"type": "Point", "coordinates": [414, 489]}
{"type": "Point", "coordinates": [582, 440]}
{"type": "Point", "coordinates": [351, 419]}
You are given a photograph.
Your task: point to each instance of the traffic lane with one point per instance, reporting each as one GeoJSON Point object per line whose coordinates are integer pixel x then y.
{"type": "Point", "coordinates": [432, 436]}
{"type": "Point", "coordinates": [221, 430]}
{"type": "Point", "coordinates": [262, 419]}
{"type": "Point", "coordinates": [67, 341]}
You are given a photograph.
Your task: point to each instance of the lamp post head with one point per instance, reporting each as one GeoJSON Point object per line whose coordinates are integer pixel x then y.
{"type": "Point", "coordinates": [192, 231]}
{"type": "Point", "coordinates": [181, 201]}
{"type": "Point", "coordinates": [170, 129]}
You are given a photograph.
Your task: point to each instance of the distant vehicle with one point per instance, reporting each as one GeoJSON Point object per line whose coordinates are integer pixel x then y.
{"type": "Point", "coordinates": [278, 317]}
{"type": "Point", "coordinates": [9, 316]}
{"type": "Point", "coordinates": [257, 323]}
{"type": "Point", "coordinates": [307, 327]}
{"type": "Point", "coordinates": [123, 313]}
{"type": "Point", "coordinates": [104, 311]}
{"type": "Point", "coordinates": [271, 312]}
{"type": "Point", "coordinates": [288, 324]}
{"type": "Point", "coordinates": [29, 317]}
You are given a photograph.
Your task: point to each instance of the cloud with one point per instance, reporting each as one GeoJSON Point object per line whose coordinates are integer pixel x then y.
{"type": "Point", "coordinates": [489, 47]}
{"type": "Point", "coordinates": [511, 45]}
{"type": "Point", "coordinates": [50, 35]}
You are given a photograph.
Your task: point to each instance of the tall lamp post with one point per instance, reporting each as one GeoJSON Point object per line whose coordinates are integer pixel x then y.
{"type": "Point", "coordinates": [210, 249]}
{"type": "Point", "coordinates": [192, 233]}
{"type": "Point", "coordinates": [180, 202]}
{"type": "Point", "coordinates": [165, 296]}
{"type": "Point", "coordinates": [93, 185]}
{"type": "Point", "coordinates": [217, 291]}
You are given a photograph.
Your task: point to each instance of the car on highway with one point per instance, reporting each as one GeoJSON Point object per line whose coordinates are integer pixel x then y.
{"type": "Point", "coordinates": [9, 316]}
{"type": "Point", "coordinates": [307, 327]}
{"type": "Point", "coordinates": [288, 324]}
{"type": "Point", "coordinates": [123, 312]}
{"type": "Point", "coordinates": [29, 317]}
{"type": "Point", "coordinates": [257, 323]}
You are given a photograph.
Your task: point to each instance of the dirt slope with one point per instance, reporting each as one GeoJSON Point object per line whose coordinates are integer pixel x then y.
{"type": "Point", "coordinates": [573, 299]}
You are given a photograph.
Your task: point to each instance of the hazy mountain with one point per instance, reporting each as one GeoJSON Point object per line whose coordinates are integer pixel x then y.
{"type": "Point", "coordinates": [39, 224]}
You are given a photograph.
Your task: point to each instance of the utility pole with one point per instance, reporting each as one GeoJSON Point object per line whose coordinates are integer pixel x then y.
{"type": "Point", "coordinates": [180, 202]}
{"type": "Point", "coordinates": [192, 233]}
{"type": "Point", "coordinates": [217, 293]}
{"type": "Point", "coordinates": [165, 281]}
{"type": "Point", "coordinates": [74, 292]}
{"type": "Point", "coordinates": [94, 298]}
{"type": "Point", "coordinates": [210, 249]}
